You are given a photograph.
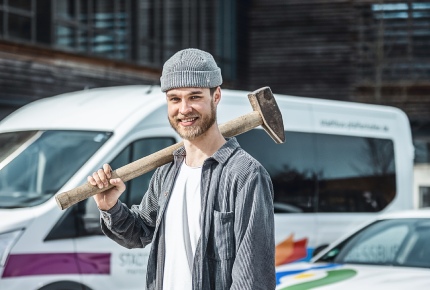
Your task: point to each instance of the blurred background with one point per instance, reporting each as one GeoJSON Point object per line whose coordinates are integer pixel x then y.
{"type": "Point", "coordinates": [362, 51]}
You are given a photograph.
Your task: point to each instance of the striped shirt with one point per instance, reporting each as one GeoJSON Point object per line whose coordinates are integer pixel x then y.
{"type": "Point", "coordinates": [236, 249]}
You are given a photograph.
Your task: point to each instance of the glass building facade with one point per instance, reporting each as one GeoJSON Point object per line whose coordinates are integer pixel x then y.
{"type": "Point", "coordinates": [144, 32]}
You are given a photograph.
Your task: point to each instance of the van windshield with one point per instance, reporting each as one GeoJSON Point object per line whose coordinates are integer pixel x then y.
{"type": "Point", "coordinates": [34, 165]}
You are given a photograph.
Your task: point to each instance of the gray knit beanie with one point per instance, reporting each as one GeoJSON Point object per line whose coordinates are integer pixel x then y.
{"type": "Point", "coordinates": [190, 68]}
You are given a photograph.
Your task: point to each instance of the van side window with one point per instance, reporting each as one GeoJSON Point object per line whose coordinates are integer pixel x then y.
{"type": "Point", "coordinates": [326, 173]}
{"type": "Point", "coordinates": [137, 187]}
{"type": "Point", "coordinates": [356, 174]}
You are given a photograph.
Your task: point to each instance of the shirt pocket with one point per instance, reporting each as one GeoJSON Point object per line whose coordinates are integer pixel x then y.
{"type": "Point", "coordinates": [221, 243]}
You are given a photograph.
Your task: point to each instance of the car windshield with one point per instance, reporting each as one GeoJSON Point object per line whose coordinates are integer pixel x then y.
{"type": "Point", "coordinates": [34, 165]}
{"type": "Point", "coordinates": [396, 242]}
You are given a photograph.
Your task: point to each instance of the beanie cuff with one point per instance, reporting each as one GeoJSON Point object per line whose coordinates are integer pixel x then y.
{"type": "Point", "coordinates": [191, 79]}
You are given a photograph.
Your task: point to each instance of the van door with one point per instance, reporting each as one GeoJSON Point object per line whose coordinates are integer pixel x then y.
{"type": "Point", "coordinates": [125, 268]}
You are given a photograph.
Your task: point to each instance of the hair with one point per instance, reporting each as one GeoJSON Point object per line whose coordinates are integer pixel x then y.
{"type": "Point", "coordinates": [212, 90]}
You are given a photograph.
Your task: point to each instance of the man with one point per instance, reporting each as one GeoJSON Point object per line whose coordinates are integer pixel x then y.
{"type": "Point", "coordinates": [209, 213]}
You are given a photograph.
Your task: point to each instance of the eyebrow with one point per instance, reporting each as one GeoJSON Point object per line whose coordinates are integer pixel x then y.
{"type": "Point", "coordinates": [197, 92]}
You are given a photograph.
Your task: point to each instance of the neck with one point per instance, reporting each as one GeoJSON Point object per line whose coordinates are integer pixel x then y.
{"type": "Point", "coordinates": [204, 146]}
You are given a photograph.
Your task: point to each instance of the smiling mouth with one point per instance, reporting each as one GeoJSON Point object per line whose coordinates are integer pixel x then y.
{"type": "Point", "coordinates": [187, 121]}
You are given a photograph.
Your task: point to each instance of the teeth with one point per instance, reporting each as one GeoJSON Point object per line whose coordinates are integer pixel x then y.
{"type": "Point", "coordinates": [188, 120]}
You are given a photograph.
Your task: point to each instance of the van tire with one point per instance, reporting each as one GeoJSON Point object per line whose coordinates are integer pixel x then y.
{"type": "Point", "coordinates": [65, 285]}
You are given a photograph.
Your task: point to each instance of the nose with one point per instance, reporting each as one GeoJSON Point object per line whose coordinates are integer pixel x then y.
{"type": "Point", "coordinates": [185, 107]}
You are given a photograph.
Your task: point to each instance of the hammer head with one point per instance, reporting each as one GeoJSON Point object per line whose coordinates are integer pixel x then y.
{"type": "Point", "coordinates": [263, 101]}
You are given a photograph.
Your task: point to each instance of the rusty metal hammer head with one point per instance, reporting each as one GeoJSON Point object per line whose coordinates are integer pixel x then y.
{"type": "Point", "coordinates": [263, 101]}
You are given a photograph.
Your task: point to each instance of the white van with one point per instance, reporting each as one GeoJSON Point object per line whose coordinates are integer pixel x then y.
{"type": "Point", "coordinates": [341, 164]}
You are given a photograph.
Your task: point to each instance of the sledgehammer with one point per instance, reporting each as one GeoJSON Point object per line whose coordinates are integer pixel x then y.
{"type": "Point", "coordinates": [265, 113]}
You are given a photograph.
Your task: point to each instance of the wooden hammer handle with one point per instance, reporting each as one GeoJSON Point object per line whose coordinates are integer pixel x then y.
{"type": "Point", "coordinates": [143, 165]}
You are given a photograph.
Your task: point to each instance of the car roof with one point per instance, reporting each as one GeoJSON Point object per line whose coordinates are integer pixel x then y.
{"type": "Point", "coordinates": [415, 213]}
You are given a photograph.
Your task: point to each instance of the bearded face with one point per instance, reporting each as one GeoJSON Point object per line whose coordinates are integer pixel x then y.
{"type": "Point", "coordinates": [194, 123]}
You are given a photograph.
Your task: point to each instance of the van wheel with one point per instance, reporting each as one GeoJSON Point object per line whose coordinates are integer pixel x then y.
{"type": "Point", "coordinates": [65, 285]}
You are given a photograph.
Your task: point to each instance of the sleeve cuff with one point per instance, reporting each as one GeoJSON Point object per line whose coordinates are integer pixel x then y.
{"type": "Point", "coordinates": [107, 215]}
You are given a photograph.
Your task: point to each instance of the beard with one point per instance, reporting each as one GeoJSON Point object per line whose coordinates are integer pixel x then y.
{"type": "Point", "coordinates": [192, 132]}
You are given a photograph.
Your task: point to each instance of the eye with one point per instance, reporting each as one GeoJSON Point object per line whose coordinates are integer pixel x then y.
{"type": "Point", "coordinates": [174, 99]}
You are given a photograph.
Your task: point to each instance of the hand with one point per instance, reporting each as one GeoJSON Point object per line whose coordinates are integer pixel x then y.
{"type": "Point", "coordinates": [107, 199]}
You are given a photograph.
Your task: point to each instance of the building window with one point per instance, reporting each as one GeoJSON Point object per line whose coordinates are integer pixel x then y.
{"type": "Point", "coordinates": [94, 27]}
{"type": "Point", "coordinates": [422, 150]}
{"type": "Point", "coordinates": [166, 26]}
{"type": "Point", "coordinates": [424, 196]}
{"type": "Point", "coordinates": [393, 45]}
{"type": "Point", "coordinates": [17, 20]}
{"type": "Point", "coordinates": [145, 32]}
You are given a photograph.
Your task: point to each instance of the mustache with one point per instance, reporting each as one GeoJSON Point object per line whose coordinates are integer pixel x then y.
{"type": "Point", "coordinates": [185, 117]}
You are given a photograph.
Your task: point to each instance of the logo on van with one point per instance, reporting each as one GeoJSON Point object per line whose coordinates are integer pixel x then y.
{"type": "Point", "coordinates": [354, 125]}
{"type": "Point", "coordinates": [133, 263]}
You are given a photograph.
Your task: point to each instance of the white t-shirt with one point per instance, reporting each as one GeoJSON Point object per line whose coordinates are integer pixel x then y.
{"type": "Point", "coordinates": [182, 229]}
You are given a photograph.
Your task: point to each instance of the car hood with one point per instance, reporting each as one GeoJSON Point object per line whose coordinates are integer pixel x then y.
{"type": "Point", "coordinates": [12, 219]}
{"type": "Point", "coordinates": [299, 276]}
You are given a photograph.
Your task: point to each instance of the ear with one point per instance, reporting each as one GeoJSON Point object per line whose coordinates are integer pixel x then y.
{"type": "Point", "coordinates": [217, 95]}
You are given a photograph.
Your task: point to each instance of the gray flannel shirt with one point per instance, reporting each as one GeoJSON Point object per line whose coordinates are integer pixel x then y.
{"type": "Point", "coordinates": [236, 249]}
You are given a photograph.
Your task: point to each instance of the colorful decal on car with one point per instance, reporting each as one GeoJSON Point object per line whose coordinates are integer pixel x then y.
{"type": "Point", "coordinates": [287, 271]}
{"type": "Point", "coordinates": [291, 251]}
{"type": "Point", "coordinates": [312, 277]}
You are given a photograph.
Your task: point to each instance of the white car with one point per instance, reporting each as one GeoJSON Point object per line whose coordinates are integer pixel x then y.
{"type": "Point", "coordinates": [391, 252]}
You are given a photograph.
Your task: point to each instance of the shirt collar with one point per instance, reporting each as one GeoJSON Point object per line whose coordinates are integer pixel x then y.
{"type": "Point", "coordinates": [221, 155]}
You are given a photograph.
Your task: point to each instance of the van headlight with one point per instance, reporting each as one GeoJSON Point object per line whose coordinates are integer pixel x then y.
{"type": "Point", "coordinates": [7, 240]}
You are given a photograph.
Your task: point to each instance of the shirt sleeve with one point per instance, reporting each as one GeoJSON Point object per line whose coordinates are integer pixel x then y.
{"type": "Point", "coordinates": [254, 265]}
{"type": "Point", "coordinates": [133, 227]}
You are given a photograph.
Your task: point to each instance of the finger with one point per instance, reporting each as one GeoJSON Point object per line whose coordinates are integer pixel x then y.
{"type": "Point", "coordinates": [97, 179]}
{"type": "Point", "coordinates": [91, 180]}
{"type": "Point", "coordinates": [108, 170]}
{"type": "Point", "coordinates": [102, 177]}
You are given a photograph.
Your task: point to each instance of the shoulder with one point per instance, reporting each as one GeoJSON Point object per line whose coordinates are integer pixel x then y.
{"type": "Point", "coordinates": [241, 157]}
{"type": "Point", "coordinates": [245, 176]}
{"type": "Point", "coordinates": [241, 163]}
{"type": "Point", "coordinates": [233, 157]}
